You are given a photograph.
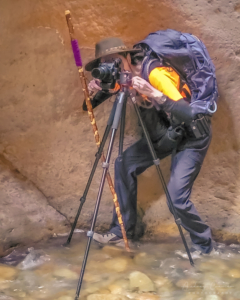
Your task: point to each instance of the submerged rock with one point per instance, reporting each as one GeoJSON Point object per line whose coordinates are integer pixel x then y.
{"type": "Point", "coordinates": [161, 281]}
{"type": "Point", "coordinates": [213, 297]}
{"type": "Point", "coordinates": [186, 283]}
{"type": "Point", "coordinates": [7, 272]}
{"type": "Point", "coordinates": [115, 289]}
{"type": "Point", "coordinates": [90, 290]}
{"type": "Point", "coordinates": [234, 273]}
{"type": "Point", "coordinates": [119, 287]}
{"type": "Point", "coordinates": [215, 284]}
{"type": "Point", "coordinates": [45, 270]}
{"type": "Point", "coordinates": [117, 264]}
{"type": "Point", "coordinates": [103, 291]}
{"type": "Point", "coordinates": [141, 281]}
{"type": "Point", "coordinates": [144, 259]}
{"type": "Point", "coordinates": [112, 277]}
{"type": "Point", "coordinates": [65, 273]}
{"type": "Point", "coordinates": [147, 296]}
{"type": "Point", "coordinates": [131, 295]}
{"type": "Point", "coordinates": [192, 296]}
{"type": "Point", "coordinates": [63, 295]}
{"type": "Point", "coordinates": [21, 294]}
{"type": "Point", "coordinates": [106, 297]}
{"type": "Point", "coordinates": [112, 250]}
{"type": "Point", "coordinates": [4, 285]}
{"type": "Point", "coordinates": [5, 297]}
{"type": "Point", "coordinates": [93, 277]}
{"type": "Point", "coordinates": [213, 265]}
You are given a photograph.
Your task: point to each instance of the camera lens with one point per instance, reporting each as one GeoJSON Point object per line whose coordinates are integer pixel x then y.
{"type": "Point", "coordinates": [102, 73]}
{"type": "Point", "coordinates": [96, 73]}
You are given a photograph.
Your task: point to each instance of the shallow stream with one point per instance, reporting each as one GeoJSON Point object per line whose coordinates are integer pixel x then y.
{"type": "Point", "coordinates": [153, 271]}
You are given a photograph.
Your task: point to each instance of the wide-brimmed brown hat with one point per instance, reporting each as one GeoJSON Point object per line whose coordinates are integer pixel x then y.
{"type": "Point", "coordinates": [106, 47]}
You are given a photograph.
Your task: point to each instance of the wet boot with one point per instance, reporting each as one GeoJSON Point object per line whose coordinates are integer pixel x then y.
{"type": "Point", "coordinates": [107, 238]}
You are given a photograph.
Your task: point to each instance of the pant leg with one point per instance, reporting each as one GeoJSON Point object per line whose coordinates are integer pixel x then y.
{"type": "Point", "coordinates": [135, 160]}
{"type": "Point", "coordinates": [186, 166]}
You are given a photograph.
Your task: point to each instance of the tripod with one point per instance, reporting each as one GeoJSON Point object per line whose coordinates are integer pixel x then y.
{"type": "Point", "coordinates": [117, 113]}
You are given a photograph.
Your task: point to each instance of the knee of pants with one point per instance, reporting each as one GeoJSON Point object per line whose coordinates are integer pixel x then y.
{"type": "Point", "coordinates": [118, 164]}
{"type": "Point", "coordinates": [118, 161]}
{"type": "Point", "coordinates": [175, 189]}
{"type": "Point", "coordinates": [179, 193]}
{"type": "Point", "coordinates": [123, 166]}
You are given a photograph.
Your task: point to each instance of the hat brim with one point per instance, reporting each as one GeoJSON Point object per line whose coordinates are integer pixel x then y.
{"type": "Point", "coordinates": [94, 63]}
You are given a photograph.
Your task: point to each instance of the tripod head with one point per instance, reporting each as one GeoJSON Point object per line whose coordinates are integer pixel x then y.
{"type": "Point", "coordinates": [110, 73]}
{"type": "Point", "coordinates": [125, 80]}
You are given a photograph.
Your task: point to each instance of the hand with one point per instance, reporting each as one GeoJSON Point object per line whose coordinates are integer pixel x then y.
{"type": "Point", "coordinates": [94, 86]}
{"type": "Point", "coordinates": [145, 88]}
{"type": "Point", "coordinates": [175, 134]}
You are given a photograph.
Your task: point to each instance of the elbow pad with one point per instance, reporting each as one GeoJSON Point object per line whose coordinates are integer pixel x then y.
{"type": "Point", "coordinates": [181, 110]}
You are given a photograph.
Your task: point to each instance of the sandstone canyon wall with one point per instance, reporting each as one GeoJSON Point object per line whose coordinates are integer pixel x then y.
{"type": "Point", "coordinates": [46, 142]}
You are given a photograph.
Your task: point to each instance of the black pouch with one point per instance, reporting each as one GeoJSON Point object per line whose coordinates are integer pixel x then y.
{"type": "Point", "coordinates": [200, 127]}
{"type": "Point", "coordinates": [170, 141]}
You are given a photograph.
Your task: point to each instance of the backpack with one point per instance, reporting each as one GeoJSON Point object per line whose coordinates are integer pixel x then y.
{"type": "Point", "coordinates": [188, 56]}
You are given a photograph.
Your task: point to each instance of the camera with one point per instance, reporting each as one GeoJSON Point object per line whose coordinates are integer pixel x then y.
{"type": "Point", "coordinates": [108, 73]}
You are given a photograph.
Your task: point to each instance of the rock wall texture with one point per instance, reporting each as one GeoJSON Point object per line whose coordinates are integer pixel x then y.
{"type": "Point", "coordinates": [46, 142]}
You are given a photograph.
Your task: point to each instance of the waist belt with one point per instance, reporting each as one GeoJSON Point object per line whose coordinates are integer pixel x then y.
{"type": "Point", "coordinates": [200, 127]}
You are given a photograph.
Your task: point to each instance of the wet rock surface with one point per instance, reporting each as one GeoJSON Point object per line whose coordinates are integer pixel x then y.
{"type": "Point", "coordinates": [171, 278]}
{"type": "Point", "coordinates": [141, 281]}
{"type": "Point", "coordinates": [46, 144]}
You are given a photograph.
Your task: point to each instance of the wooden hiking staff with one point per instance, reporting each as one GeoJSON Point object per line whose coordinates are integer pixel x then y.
{"type": "Point", "coordinates": [78, 61]}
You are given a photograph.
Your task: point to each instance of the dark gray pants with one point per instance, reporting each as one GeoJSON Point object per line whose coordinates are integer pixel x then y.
{"type": "Point", "coordinates": [186, 165]}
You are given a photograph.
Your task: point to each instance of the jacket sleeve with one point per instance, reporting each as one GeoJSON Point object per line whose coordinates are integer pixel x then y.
{"type": "Point", "coordinates": [99, 98]}
{"type": "Point", "coordinates": [181, 110]}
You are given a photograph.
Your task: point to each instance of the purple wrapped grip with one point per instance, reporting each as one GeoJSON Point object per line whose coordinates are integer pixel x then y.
{"type": "Point", "coordinates": [76, 52]}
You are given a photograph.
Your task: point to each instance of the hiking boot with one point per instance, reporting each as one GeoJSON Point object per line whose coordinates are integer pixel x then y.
{"type": "Point", "coordinates": [195, 253]}
{"type": "Point", "coordinates": [213, 252]}
{"type": "Point", "coordinates": [107, 238]}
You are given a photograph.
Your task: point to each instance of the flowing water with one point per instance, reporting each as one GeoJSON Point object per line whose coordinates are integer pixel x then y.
{"type": "Point", "coordinates": [152, 271]}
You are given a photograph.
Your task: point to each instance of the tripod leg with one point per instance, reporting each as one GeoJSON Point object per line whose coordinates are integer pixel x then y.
{"type": "Point", "coordinates": [122, 128]}
{"type": "Point", "coordinates": [110, 183]}
{"type": "Point", "coordinates": [122, 97]}
{"type": "Point", "coordinates": [98, 156]}
{"type": "Point", "coordinates": [156, 161]}
{"type": "Point", "coordinates": [116, 203]}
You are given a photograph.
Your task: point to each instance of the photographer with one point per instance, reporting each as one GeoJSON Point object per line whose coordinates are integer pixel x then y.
{"type": "Point", "coordinates": [164, 120]}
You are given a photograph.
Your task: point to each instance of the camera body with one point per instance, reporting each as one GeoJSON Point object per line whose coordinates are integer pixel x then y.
{"type": "Point", "coordinates": [108, 74]}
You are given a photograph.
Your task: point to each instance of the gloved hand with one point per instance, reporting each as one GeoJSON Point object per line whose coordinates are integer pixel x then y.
{"type": "Point", "coordinates": [175, 134]}
{"type": "Point", "coordinates": [170, 140]}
